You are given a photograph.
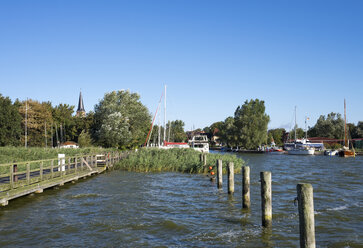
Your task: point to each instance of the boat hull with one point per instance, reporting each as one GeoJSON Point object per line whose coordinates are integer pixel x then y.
{"type": "Point", "coordinates": [301, 152]}
{"type": "Point", "coordinates": [346, 153]}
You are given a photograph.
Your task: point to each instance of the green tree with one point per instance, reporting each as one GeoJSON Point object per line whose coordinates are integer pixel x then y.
{"type": "Point", "coordinates": [10, 123]}
{"type": "Point", "coordinates": [251, 123]}
{"type": "Point", "coordinates": [177, 133]}
{"type": "Point", "coordinates": [228, 132]}
{"type": "Point", "coordinates": [84, 139]}
{"type": "Point", "coordinates": [38, 118]}
{"type": "Point", "coordinates": [331, 126]}
{"type": "Point", "coordinates": [277, 135]}
{"type": "Point", "coordinates": [121, 120]}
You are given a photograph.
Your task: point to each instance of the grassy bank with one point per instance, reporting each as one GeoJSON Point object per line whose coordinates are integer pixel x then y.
{"type": "Point", "coordinates": [181, 160]}
{"type": "Point", "coordinates": [20, 154]}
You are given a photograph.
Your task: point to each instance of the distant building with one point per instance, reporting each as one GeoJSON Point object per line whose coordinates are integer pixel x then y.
{"type": "Point", "coordinates": [69, 144]}
{"type": "Point", "coordinates": [80, 111]}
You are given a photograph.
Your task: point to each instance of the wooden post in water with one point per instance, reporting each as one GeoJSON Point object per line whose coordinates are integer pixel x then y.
{"type": "Point", "coordinates": [219, 173]}
{"type": "Point", "coordinates": [266, 198]}
{"type": "Point", "coordinates": [69, 165]}
{"type": "Point", "coordinates": [75, 164]}
{"type": "Point", "coordinates": [306, 215]}
{"type": "Point", "coordinates": [230, 178]}
{"type": "Point", "coordinates": [246, 202]}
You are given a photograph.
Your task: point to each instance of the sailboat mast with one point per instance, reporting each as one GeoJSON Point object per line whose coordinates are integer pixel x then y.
{"type": "Point", "coordinates": [164, 113]}
{"type": "Point", "coordinates": [26, 123]}
{"type": "Point", "coordinates": [345, 125]}
{"type": "Point", "coordinates": [295, 123]}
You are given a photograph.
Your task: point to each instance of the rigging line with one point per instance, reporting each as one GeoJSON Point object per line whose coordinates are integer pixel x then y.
{"type": "Point", "coordinates": [152, 123]}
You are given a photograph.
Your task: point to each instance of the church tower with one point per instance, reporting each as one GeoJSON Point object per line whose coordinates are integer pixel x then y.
{"type": "Point", "coordinates": [80, 111]}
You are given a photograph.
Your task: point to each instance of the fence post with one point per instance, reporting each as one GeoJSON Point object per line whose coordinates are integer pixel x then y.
{"type": "Point", "coordinates": [52, 169]}
{"type": "Point", "coordinates": [219, 173]}
{"type": "Point", "coordinates": [75, 164]}
{"type": "Point", "coordinates": [306, 215]}
{"type": "Point", "coordinates": [11, 176]}
{"type": "Point", "coordinates": [246, 187]}
{"type": "Point", "coordinates": [69, 165]}
{"type": "Point", "coordinates": [41, 171]}
{"type": "Point", "coordinates": [230, 178]}
{"type": "Point", "coordinates": [28, 173]}
{"type": "Point", "coordinates": [266, 201]}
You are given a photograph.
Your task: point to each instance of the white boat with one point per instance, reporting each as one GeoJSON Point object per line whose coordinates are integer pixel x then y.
{"type": "Point", "coordinates": [302, 150]}
{"type": "Point", "coordinates": [200, 143]}
{"type": "Point", "coordinates": [331, 152]}
{"type": "Point", "coordinates": [300, 147]}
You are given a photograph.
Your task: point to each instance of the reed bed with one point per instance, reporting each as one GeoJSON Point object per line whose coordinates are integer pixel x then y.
{"type": "Point", "coordinates": [178, 160]}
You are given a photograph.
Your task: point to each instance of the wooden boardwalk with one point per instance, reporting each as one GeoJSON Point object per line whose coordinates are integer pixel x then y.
{"type": "Point", "coordinates": [19, 179]}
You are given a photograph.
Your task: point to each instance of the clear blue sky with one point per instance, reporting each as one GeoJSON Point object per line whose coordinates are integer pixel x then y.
{"type": "Point", "coordinates": [212, 55]}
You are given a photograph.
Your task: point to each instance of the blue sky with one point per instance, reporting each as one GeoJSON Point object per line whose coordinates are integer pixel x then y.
{"type": "Point", "coordinates": [212, 55]}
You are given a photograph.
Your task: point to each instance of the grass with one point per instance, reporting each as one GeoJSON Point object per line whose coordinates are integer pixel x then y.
{"type": "Point", "coordinates": [180, 160]}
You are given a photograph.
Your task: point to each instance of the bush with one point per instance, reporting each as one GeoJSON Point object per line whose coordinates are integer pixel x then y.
{"type": "Point", "coordinates": [181, 160]}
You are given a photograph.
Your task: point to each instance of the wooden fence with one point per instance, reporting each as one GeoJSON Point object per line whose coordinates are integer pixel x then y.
{"type": "Point", "coordinates": [19, 179]}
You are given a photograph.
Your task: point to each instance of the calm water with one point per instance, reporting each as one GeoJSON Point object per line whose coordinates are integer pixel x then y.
{"type": "Point", "coordinates": [124, 209]}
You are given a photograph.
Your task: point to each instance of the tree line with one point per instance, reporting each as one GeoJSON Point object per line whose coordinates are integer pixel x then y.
{"type": "Point", "coordinates": [248, 128]}
{"type": "Point", "coordinates": [118, 120]}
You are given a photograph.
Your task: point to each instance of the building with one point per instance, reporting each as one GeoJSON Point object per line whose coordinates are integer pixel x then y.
{"type": "Point", "coordinates": [80, 111]}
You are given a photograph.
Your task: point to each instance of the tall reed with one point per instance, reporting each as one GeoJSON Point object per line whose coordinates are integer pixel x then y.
{"type": "Point", "coordinates": [180, 160]}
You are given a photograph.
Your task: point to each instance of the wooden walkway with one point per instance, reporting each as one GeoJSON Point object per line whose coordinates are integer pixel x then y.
{"type": "Point", "coordinates": [19, 179]}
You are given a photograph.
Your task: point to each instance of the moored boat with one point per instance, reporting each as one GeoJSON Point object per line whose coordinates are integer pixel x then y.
{"type": "Point", "coordinates": [199, 143]}
{"type": "Point", "coordinates": [345, 152]}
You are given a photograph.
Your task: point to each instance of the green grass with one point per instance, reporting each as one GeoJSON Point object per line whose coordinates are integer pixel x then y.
{"type": "Point", "coordinates": [180, 160]}
{"type": "Point", "coordinates": [21, 154]}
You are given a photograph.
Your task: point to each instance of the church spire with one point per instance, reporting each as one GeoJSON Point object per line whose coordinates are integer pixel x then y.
{"type": "Point", "coordinates": [80, 111]}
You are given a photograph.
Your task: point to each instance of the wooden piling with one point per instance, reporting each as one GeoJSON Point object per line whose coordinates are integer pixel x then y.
{"type": "Point", "coordinates": [230, 178]}
{"type": "Point", "coordinates": [219, 173]}
{"type": "Point", "coordinates": [306, 215]}
{"type": "Point", "coordinates": [266, 198]}
{"type": "Point", "coordinates": [52, 169]}
{"type": "Point", "coordinates": [246, 202]}
{"type": "Point", "coordinates": [11, 176]}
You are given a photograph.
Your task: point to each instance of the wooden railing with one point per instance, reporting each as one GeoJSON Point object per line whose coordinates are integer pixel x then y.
{"type": "Point", "coordinates": [26, 176]}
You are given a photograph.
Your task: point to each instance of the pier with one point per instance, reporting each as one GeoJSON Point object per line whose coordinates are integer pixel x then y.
{"type": "Point", "coordinates": [20, 179]}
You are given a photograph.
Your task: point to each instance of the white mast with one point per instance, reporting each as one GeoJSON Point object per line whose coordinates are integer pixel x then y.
{"type": "Point", "coordinates": [164, 113]}
{"type": "Point", "coordinates": [159, 131]}
{"type": "Point", "coordinates": [295, 123]}
{"type": "Point", "coordinates": [26, 123]}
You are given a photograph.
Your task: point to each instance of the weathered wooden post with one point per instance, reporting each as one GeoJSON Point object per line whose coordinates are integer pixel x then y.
{"type": "Point", "coordinates": [205, 159]}
{"type": "Point", "coordinates": [266, 198]}
{"type": "Point", "coordinates": [230, 178]}
{"type": "Point", "coordinates": [11, 176]}
{"type": "Point", "coordinates": [306, 215]}
{"type": "Point", "coordinates": [15, 170]}
{"type": "Point", "coordinates": [201, 157]}
{"type": "Point", "coordinates": [28, 173]}
{"type": "Point", "coordinates": [219, 173]}
{"type": "Point", "coordinates": [246, 202]}
{"type": "Point", "coordinates": [41, 171]}
{"type": "Point", "coordinates": [69, 165]}
{"type": "Point", "coordinates": [75, 164]}
{"type": "Point", "coordinates": [52, 169]}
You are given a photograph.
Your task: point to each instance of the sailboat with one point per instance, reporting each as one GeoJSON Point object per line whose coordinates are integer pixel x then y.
{"type": "Point", "coordinates": [164, 144]}
{"type": "Point", "coordinates": [345, 152]}
{"type": "Point", "coordinates": [300, 146]}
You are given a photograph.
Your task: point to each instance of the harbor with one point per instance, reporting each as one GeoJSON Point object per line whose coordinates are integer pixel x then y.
{"type": "Point", "coordinates": [180, 210]}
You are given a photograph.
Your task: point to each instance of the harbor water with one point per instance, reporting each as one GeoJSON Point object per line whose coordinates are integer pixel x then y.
{"type": "Point", "coordinates": [128, 209]}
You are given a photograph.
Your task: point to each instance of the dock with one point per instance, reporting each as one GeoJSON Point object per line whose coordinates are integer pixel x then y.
{"type": "Point", "coordinates": [24, 178]}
